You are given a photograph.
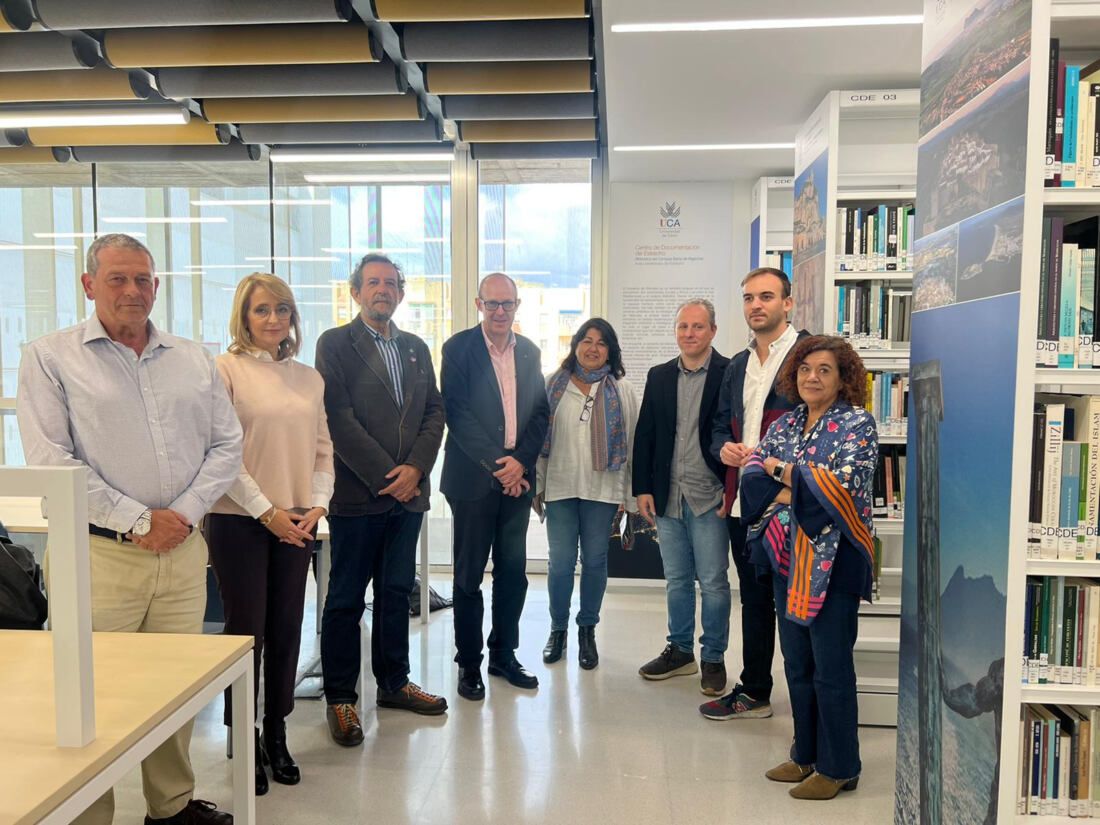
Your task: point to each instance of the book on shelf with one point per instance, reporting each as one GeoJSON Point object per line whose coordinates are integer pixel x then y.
{"type": "Point", "coordinates": [1068, 285]}
{"type": "Point", "coordinates": [875, 238]}
{"type": "Point", "coordinates": [1057, 770]}
{"type": "Point", "coordinates": [1064, 488]}
{"type": "Point", "coordinates": [873, 316]}
{"type": "Point", "coordinates": [1061, 631]}
{"type": "Point", "coordinates": [780, 260]}
{"type": "Point", "coordinates": [888, 493]}
{"type": "Point", "coordinates": [1072, 133]}
{"type": "Point", "coordinates": [888, 401]}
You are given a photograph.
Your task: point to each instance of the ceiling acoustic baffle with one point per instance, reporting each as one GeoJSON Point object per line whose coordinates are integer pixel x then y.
{"type": "Point", "coordinates": [199, 83]}
{"type": "Point", "coordinates": [233, 151]}
{"type": "Point", "coordinates": [535, 151]}
{"type": "Point", "coordinates": [194, 133]}
{"type": "Point", "coordinates": [350, 108]}
{"type": "Point", "coordinates": [118, 14]}
{"type": "Point", "coordinates": [519, 107]}
{"type": "Point", "coordinates": [262, 45]}
{"type": "Point", "coordinates": [442, 11]}
{"type": "Point", "coordinates": [13, 137]}
{"type": "Point", "coordinates": [534, 77]}
{"type": "Point", "coordinates": [42, 51]}
{"type": "Point", "coordinates": [69, 85]}
{"type": "Point", "coordinates": [497, 40]}
{"type": "Point", "coordinates": [416, 131]}
{"type": "Point", "coordinates": [33, 154]}
{"type": "Point", "coordinates": [520, 131]}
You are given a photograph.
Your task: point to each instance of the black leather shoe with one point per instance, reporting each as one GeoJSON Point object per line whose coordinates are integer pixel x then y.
{"type": "Point", "coordinates": [284, 769]}
{"type": "Point", "coordinates": [587, 654]}
{"type": "Point", "coordinates": [261, 774]}
{"type": "Point", "coordinates": [197, 812]}
{"type": "Point", "coordinates": [555, 645]}
{"type": "Point", "coordinates": [470, 685]}
{"type": "Point", "coordinates": [516, 674]}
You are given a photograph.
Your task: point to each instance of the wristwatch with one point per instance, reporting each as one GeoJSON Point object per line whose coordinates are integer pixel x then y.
{"type": "Point", "coordinates": [778, 470]}
{"type": "Point", "coordinates": [143, 524]}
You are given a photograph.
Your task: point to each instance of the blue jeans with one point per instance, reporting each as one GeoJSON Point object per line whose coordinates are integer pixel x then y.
{"type": "Point", "coordinates": [568, 521]}
{"type": "Point", "coordinates": [696, 547]}
{"type": "Point", "coordinates": [821, 679]}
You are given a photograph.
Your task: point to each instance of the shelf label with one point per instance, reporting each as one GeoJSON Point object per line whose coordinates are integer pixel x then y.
{"type": "Point", "coordinates": [878, 98]}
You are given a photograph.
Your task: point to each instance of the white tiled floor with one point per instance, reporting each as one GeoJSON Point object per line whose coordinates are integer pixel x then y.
{"type": "Point", "coordinates": [600, 746]}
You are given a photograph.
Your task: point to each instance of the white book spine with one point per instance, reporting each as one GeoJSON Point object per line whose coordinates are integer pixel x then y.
{"type": "Point", "coordinates": [1091, 634]}
{"type": "Point", "coordinates": [1052, 480]}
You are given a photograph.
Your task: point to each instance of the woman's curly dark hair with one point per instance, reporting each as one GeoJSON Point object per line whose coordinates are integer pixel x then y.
{"type": "Point", "coordinates": [605, 331]}
{"type": "Point", "coordinates": [853, 375]}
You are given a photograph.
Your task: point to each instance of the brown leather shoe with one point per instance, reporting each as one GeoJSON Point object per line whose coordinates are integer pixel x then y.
{"type": "Point", "coordinates": [789, 771]}
{"type": "Point", "coordinates": [343, 724]}
{"type": "Point", "coordinates": [197, 812]}
{"type": "Point", "coordinates": [412, 697]}
{"type": "Point", "coordinates": [822, 787]}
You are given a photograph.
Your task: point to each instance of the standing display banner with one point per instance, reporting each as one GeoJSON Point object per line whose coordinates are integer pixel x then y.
{"type": "Point", "coordinates": [814, 190]}
{"type": "Point", "coordinates": [668, 243]}
{"type": "Point", "coordinates": [965, 337]}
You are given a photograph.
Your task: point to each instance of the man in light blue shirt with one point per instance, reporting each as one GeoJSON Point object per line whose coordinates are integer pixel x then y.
{"type": "Point", "coordinates": [148, 417]}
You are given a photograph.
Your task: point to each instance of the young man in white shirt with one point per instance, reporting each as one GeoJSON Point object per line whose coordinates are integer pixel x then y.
{"type": "Point", "coordinates": [747, 405]}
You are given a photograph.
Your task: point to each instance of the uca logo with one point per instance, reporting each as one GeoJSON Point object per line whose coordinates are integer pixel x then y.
{"type": "Point", "coordinates": [670, 216]}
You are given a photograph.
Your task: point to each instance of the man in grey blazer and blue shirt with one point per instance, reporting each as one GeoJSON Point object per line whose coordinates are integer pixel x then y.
{"type": "Point", "coordinates": [385, 415]}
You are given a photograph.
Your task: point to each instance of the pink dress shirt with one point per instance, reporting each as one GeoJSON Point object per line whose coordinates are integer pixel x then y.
{"type": "Point", "coordinates": [504, 365]}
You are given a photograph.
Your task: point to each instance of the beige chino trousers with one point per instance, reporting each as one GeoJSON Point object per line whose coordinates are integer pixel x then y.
{"type": "Point", "coordinates": [138, 591]}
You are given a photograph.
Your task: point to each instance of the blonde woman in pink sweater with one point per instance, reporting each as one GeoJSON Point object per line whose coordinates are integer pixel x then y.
{"type": "Point", "coordinates": [261, 532]}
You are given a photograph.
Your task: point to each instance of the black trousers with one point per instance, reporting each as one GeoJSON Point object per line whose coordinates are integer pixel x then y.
{"type": "Point", "coordinates": [379, 548]}
{"type": "Point", "coordinates": [495, 524]}
{"type": "Point", "coordinates": [757, 617]}
{"type": "Point", "coordinates": [262, 583]}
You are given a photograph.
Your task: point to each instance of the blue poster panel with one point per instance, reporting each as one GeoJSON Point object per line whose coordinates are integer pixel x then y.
{"type": "Point", "coordinates": [958, 488]}
{"type": "Point", "coordinates": [965, 336]}
{"type": "Point", "coordinates": [754, 243]}
{"type": "Point", "coordinates": [808, 256]}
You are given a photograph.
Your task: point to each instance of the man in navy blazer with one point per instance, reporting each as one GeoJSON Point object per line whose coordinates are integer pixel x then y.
{"type": "Point", "coordinates": [497, 415]}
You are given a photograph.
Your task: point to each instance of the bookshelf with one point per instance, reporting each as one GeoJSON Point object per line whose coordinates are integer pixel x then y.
{"type": "Point", "coordinates": [772, 219]}
{"type": "Point", "coordinates": [857, 151]}
{"type": "Point", "coordinates": [1076, 24]}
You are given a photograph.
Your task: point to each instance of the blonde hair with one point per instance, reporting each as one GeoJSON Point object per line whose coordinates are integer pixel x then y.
{"type": "Point", "coordinates": [238, 320]}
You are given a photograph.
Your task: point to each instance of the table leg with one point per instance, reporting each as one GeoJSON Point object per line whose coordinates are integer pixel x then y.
{"type": "Point", "coordinates": [244, 761]}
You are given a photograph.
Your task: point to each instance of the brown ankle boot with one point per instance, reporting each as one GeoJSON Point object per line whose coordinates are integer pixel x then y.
{"type": "Point", "coordinates": [789, 771]}
{"type": "Point", "coordinates": [822, 787]}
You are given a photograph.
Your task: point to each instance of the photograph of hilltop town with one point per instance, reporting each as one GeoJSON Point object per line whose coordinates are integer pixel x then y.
{"type": "Point", "coordinates": [810, 197]}
{"type": "Point", "coordinates": [990, 247]}
{"type": "Point", "coordinates": [934, 269]}
{"type": "Point", "coordinates": [976, 160]}
{"type": "Point", "coordinates": [991, 38]}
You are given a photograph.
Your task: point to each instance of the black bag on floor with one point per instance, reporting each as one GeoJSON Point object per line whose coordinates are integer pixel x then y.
{"type": "Point", "coordinates": [22, 602]}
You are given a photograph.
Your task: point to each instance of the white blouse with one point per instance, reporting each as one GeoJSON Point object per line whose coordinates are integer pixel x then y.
{"type": "Point", "coordinates": [568, 472]}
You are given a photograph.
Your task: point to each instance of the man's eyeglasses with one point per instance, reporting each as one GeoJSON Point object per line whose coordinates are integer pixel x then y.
{"type": "Point", "coordinates": [507, 306]}
{"type": "Point", "coordinates": [586, 411]}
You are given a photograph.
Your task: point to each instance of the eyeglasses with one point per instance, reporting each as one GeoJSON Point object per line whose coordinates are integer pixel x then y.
{"type": "Point", "coordinates": [507, 306]}
{"type": "Point", "coordinates": [281, 311]}
{"type": "Point", "coordinates": [586, 411]}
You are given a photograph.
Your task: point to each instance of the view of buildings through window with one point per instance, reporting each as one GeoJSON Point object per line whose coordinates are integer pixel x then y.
{"type": "Point", "coordinates": [209, 225]}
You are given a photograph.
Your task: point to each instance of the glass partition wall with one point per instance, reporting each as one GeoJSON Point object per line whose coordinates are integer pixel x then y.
{"type": "Point", "coordinates": [210, 224]}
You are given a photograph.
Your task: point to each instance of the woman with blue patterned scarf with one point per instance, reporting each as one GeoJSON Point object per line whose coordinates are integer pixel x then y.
{"type": "Point", "coordinates": [582, 478]}
{"type": "Point", "coordinates": [806, 492]}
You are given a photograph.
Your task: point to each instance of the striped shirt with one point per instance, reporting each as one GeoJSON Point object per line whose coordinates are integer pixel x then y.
{"type": "Point", "coordinates": [390, 350]}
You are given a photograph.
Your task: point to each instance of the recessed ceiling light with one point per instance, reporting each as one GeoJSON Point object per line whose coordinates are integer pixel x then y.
{"type": "Point", "coordinates": [363, 250]}
{"type": "Point", "coordinates": [26, 117]}
{"type": "Point", "coordinates": [411, 177]}
{"type": "Point", "coordinates": [262, 202]}
{"type": "Point", "coordinates": [774, 23]}
{"type": "Point", "coordinates": [222, 266]}
{"type": "Point", "coordinates": [36, 247]}
{"type": "Point", "coordinates": [351, 156]}
{"type": "Point", "coordinates": [296, 259]}
{"type": "Point", "coordinates": [165, 220]}
{"type": "Point", "coordinates": [703, 147]}
{"type": "Point", "coordinates": [82, 234]}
